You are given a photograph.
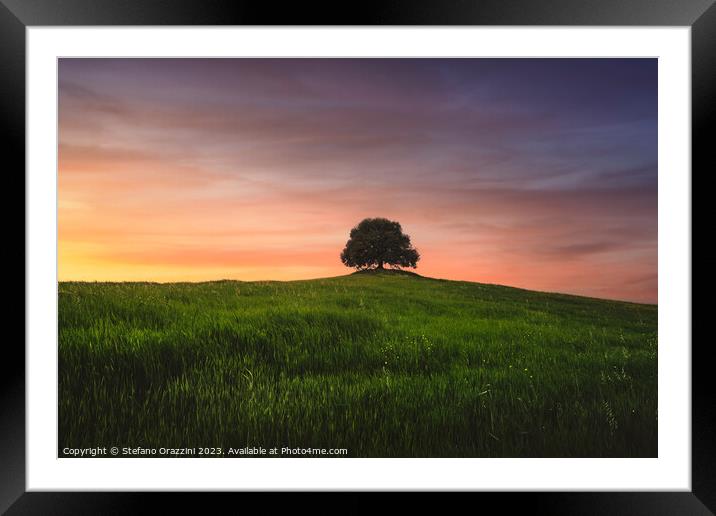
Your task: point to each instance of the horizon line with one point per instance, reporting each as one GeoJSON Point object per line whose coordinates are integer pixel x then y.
{"type": "Point", "coordinates": [357, 272]}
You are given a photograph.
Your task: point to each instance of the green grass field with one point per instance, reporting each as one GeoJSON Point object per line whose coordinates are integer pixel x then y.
{"type": "Point", "coordinates": [383, 364]}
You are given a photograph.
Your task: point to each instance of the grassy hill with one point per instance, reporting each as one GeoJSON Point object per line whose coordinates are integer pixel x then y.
{"type": "Point", "coordinates": [381, 364]}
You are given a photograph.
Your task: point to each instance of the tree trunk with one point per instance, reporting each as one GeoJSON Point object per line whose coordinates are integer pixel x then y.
{"type": "Point", "coordinates": [380, 265]}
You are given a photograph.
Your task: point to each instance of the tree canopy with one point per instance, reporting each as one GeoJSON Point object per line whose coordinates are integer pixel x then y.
{"type": "Point", "coordinates": [376, 242]}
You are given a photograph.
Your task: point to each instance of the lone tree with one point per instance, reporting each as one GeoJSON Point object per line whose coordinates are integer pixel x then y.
{"type": "Point", "coordinates": [377, 242]}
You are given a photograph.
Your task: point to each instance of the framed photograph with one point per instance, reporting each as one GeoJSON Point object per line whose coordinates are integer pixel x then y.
{"type": "Point", "coordinates": [431, 248]}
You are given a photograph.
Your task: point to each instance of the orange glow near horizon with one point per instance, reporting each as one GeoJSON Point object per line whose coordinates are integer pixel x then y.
{"type": "Point", "coordinates": [198, 170]}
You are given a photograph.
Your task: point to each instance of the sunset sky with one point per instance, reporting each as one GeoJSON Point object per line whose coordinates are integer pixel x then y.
{"type": "Point", "coordinates": [535, 173]}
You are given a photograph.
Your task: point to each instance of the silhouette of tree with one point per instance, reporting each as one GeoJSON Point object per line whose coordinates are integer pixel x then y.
{"type": "Point", "coordinates": [377, 242]}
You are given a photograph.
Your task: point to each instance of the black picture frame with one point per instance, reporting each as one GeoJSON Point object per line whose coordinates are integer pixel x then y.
{"type": "Point", "coordinates": [17, 15]}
